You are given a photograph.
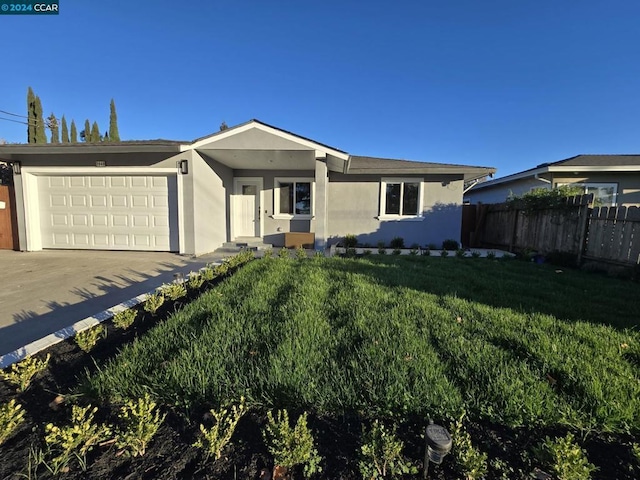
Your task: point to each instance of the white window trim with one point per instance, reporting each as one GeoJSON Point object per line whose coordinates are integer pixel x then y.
{"type": "Point", "coordinates": [383, 198]}
{"type": "Point", "coordinates": [276, 198]}
{"type": "Point", "coordinates": [595, 185]}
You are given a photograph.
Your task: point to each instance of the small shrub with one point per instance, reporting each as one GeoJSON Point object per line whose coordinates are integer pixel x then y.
{"type": "Point", "coordinates": [635, 451]}
{"type": "Point", "coordinates": [426, 252]}
{"type": "Point", "coordinates": [565, 457]}
{"type": "Point", "coordinates": [381, 455]}
{"type": "Point", "coordinates": [350, 241]}
{"type": "Point", "coordinates": [283, 253]}
{"type": "Point", "coordinates": [350, 252]}
{"type": "Point", "coordinates": [207, 274]}
{"type": "Point", "coordinates": [397, 242]}
{"type": "Point", "coordinates": [125, 318]}
{"type": "Point", "coordinates": [415, 248]}
{"type": "Point", "coordinates": [366, 252]}
{"type": "Point", "coordinates": [460, 253]}
{"type": "Point", "coordinates": [195, 281]}
{"type": "Point", "coordinates": [214, 439]}
{"type": "Point", "coordinates": [87, 339]}
{"type": "Point", "coordinates": [444, 253]}
{"type": "Point", "coordinates": [23, 372]}
{"type": "Point", "coordinates": [153, 302]}
{"type": "Point", "coordinates": [397, 251]}
{"type": "Point", "coordinates": [491, 255]}
{"type": "Point", "coordinates": [450, 244]}
{"type": "Point", "coordinates": [382, 251]}
{"type": "Point", "coordinates": [471, 462]}
{"type": "Point", "coordinates": [141, 422]}
{"type": "Point", "coordinates": [268, 253]}
{"type": "Point", "coordinates": [75, 440]}
{"type": "Point", "coordinates": [291, 446]}
{"type": "Point", "coordinates": [475, 254]}
{"type": "Point", "coordinates": [318, 254]}
{"type": "Point", "coordinates": [221, 270]}
{"type": "Point", "coordinates": [11, 416]}
{"type": "Point", "coordinates": [301, 253]}
{"type": "Point", "coordinates": [174, 291]}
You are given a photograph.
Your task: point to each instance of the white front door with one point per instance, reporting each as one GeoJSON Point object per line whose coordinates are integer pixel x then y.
{"type": "Point", "coordinates": [247, 208]}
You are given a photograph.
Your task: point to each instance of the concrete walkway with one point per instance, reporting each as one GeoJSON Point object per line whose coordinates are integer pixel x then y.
{"type": "Point", "coordinates": [42, 292]}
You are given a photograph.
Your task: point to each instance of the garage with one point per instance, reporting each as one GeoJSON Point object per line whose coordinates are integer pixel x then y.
{"type": "Point", "coordinates": [108, 212]}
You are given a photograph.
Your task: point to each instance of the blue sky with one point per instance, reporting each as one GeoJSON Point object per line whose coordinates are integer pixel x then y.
{"type": "Point", "coordinates": [504, 83]}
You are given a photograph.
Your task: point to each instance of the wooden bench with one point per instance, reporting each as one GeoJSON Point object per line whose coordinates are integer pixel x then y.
{"type": "Point", "coordinates": [299, 239]}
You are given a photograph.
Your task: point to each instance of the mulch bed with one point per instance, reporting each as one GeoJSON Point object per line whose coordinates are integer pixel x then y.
{"type": "Point", "coordinates": [171, 455]}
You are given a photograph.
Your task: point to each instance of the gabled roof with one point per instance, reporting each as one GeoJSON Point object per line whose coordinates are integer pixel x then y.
{"type": "Point", "coordinates": [578, 163]}
{"type": "Point", "coordinates": [374, 165]}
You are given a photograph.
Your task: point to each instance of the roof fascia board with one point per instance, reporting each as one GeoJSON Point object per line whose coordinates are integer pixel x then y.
{"type": "Point", "coordinates": [595, 168]}
{"type": "Point", "coordinates": [265, 128]}
{"type": "Point", "coordinates": [86, 149]}
{"type": "Point", "coordinates": [511, 178]}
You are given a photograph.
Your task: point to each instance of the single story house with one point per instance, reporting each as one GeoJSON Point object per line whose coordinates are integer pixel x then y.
{"type": "Point", "coordinates": [613, 179]}
{"type": "Point", "coordinates": [253, 180]}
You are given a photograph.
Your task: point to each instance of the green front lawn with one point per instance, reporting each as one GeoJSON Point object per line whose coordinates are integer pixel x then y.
{"type": "Point", "coordinates": [507, 341]}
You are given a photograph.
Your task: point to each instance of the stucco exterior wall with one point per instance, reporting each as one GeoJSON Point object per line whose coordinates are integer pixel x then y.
{"type": "Point", "coordinates": [274, 229]}
{"type": "Point", "coordinates": [501, 192]}
{"type": "Point", "coordinates": [628, 184]}
{"type": "Point", "coordinates": [212, 184]}
{"type": "Point", "coordinates": [353, 206]}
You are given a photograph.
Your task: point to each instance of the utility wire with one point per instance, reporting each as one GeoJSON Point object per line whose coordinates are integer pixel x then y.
{"type": "Point", "coordinates": [16, 121]}
{"type": "Point", "coordinates": [12, 114]}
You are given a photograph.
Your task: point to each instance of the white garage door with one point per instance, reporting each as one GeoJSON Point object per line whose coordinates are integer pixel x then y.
{"type": "Point", "coordinates": [108, 212]}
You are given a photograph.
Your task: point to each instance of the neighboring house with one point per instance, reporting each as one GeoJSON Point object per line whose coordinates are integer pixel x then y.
{"type": "Point", "coordinates": [252, 180]}
{"type": "Point", "coordinates": [613, 179]}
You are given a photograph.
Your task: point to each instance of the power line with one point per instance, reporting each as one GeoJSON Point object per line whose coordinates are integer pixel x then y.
{"type": "Point", "coordinates": [16, 121]}
{"type": "Point", "coordinates": [12, 114]}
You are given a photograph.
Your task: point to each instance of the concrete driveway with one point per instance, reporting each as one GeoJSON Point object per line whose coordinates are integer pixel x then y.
{"type": "Point", "coordinates": [43, 292]}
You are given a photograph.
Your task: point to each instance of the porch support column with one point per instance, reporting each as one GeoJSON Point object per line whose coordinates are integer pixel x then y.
{"type": "Point", "coordinates": [321, 201]}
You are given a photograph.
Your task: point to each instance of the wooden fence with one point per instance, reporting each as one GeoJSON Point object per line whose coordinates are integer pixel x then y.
{"type": "Point", "coordinates": [606, 234]}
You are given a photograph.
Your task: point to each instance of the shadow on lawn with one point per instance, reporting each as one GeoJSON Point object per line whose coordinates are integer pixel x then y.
{"type": "Point", "coordinates": [523, 287]}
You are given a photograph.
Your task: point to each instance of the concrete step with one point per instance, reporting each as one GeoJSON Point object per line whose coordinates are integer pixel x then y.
{"type": "Point", "coordinates": [237, 246]}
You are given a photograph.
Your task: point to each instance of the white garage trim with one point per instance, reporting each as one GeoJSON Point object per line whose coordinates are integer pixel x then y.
{"type": "Point", "coordinates": [31, 194]}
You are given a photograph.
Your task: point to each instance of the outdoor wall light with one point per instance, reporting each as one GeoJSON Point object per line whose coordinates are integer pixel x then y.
{"type": "Point", "coordinates": [17, 168]}
{"type": "Point", "coordinates": [438, 445]}
{"type": "Point", "coordinates": [183, 166]}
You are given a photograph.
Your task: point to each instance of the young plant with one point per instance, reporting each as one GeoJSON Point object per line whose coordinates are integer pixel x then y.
{"type": "Point", "coordinates": [221, 269]}
{"type": "Point", "coordinates": [75, 440]}
{"type": "Point", "coordinates": [87, 339]}
{"type": "Point", "coordinates": [141, 421]}
{"type": "Point", "coordinates": [426, 252]}
{"type": "Point", "coordinates": [207, 274]}
{"type": "Point", "coordinates": [415, 248]}
{"type": "Point", "coordinates": [475, 254]}
{"type": "Point", "coordinates": [195, 281]}
{"type": "Point", "coordinates": [350, 241]}
{"type": "Point", "coordinates": [268, 253]}
{"type": "Point", "coordinates": [291, 446]}
{"type": "Point", "coordinates": [566, 458]}
{"type": "Point", "coordinates": [153, 302]}
{"type": "Point", "coordinates": [214, 439]}
{"type": "Point", "coordinates": [301, 253]}
{"type": "Point", "coordinates": [381, 455]}
{"type": "Point", "coordinates": [397, 242]}
{"type": "Point", "coordinates": [450, 244]}
{"type": "Point", "coordinates": [174, 291]}
{"type": "Point", "coordinates": [397, 251]}
{"type": "Point", "coordinates": [460, 253]}
{"type": "Point", "coordinates": [367, 252]}
{"type": "Point", "coordinates": [491, 255]}
{"type": "Point", "coordinates": [11, 416]}
{"type": "Point", "coordinates": [471, 462]}
{"type": "Point", "coordinates": [125, 318]}
{"type": "Point", "coordinates": [444, 253]}
{"type": "Point", "coordinates": [23, 372]}
{"type": "Point", "coordinates": [283, 253]}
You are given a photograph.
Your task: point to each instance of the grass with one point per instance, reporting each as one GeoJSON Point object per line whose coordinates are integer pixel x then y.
{"type": "Point", "coordinates": [507, 341]}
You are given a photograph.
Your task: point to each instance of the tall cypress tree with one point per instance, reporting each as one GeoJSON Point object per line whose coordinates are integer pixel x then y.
{"type": "Point", "coordinates": [65, 131]}
{"type": "Point", "coordinates": [114, 136]}
{"type": "Point", "coordinates": [74, 131]}
{"type": "Point", "coordinates": [86, 133]}
{"type": "Point", "coordinates": [41, 136]}
{"type": "Point", "coordinates": [54, 126]}
{"type": "Point", "coordinates": [31, 116]}
{"type": "Point", "coordinates": [95, 132]}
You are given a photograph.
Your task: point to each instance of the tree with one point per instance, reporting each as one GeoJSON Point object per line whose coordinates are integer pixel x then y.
{"type": "Point", "coordinates": [85, 134]}
{"type": "Point", "coordinates": [54, 126]}
{"type": "Point", "coordinates": [65, 130]}
{"type": "Point", "coordinates": [31, 116]}
{"type": "Point", "coordinates": [41, 136]}
{"type": "Point", "coordinates": [74, 132]}
{"type": "Point", "coordinates": [95, 133]}
{"type": "Point", "coordinates": [114, 136]}
{"type": "Point", "coordinates": [223, 126]}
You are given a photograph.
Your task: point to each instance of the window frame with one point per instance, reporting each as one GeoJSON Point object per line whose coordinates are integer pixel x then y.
{"type": "Point", "coordinates": [276, 198]}
{"type": "Point", "coordinates": [383, 215]}
{"type": "Point", "coordinates": [594, 185]}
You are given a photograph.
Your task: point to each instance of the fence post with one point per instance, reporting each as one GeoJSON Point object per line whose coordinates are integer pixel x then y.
{"type": "Point", "coordinates": [583, 224]}
{"type": "Point", "coordinates": [512, 242]}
